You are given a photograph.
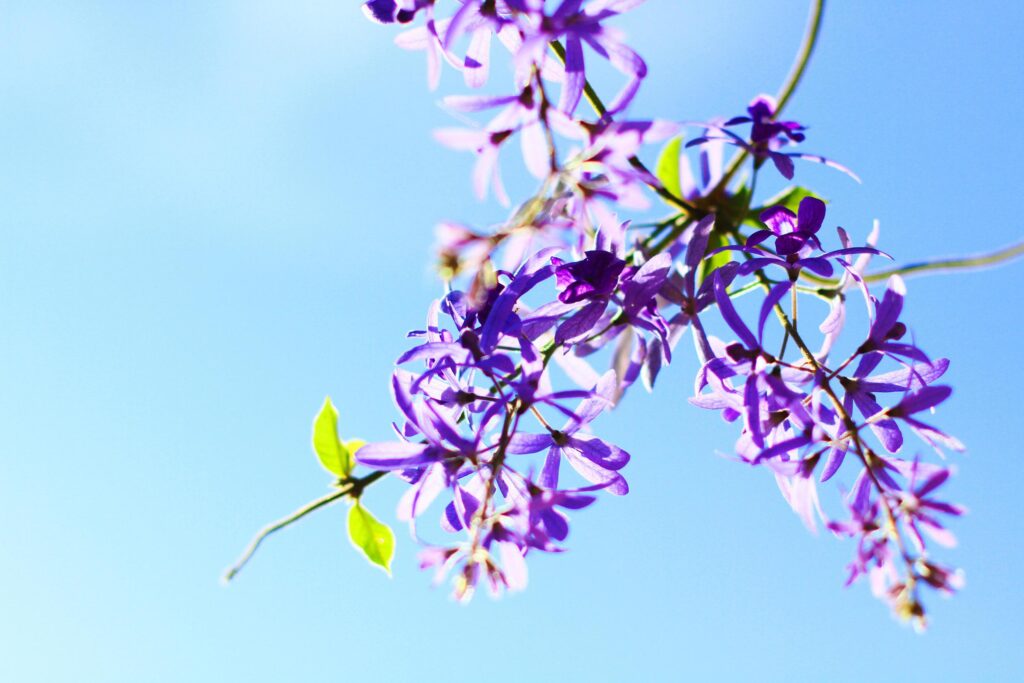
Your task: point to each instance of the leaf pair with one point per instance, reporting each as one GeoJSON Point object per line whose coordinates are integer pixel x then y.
{"type": "Point", "coordinates": [371, 537]}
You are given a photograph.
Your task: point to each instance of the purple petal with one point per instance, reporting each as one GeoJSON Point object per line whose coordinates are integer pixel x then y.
{"type": "Point", "coordinates": [699, 242]}
{"type": "Point", "coordinates": [810, 214]}
{"type": "Point", "coordinates": [646, 282]}
{"type": "Point", "coordinates": [575, 76]}
{"type": "Point", "coordinates": [886, 429]}
{"type": "Point", "coordinates": [784, 164]}
{"type": "Point", "coordinates": [599, 452]}
{"type": "Point", "coordinates": [779, 219]}
{"type": "Point", "coordinates": [926, 398]}
{"type": "Point", "coordinates": [434, 350]}
{"type": "Point", "coordinates": [419, 496]}
{"type": "Point", "coordinates": [549, 473]}
{"type": "Point", "coordinates": [774, 296]}
{"type": "Point", "coordinates": [931, 483]}
{"type": "Point", "coordinates": [581, 323]}
{"type": "Point", "coordinates": [913, 378]}
{"type": "Point", "coordinates": [392, 455]}
{"type": "Point", "coordinates": [730, 315]}
{"type": "Point", "coordinates": [595, 474]}
{"type": "Point", "coordinates": [818, 265]}
{"type": "Point", "coordinates": [520, 444]}
{"type": "Point", "coordinates": [832, 464]}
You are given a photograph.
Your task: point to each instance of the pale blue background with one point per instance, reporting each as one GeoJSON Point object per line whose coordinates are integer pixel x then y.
{"type": "Point", "coordinates": [212, 214]}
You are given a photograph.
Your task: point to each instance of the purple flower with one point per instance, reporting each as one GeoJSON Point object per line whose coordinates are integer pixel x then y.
{"type": "Point", "coordinates": [764, 129]}
{"type": "Point", "coordinates": [593, 459]}
{"type": "Point", "coordinates": [593, 278]}
{"type": "Point", "coordinates": [481, 20]}
{"type": "Point", "coordinates": [578, 26]}
{"type": "Point", "coordinates": [519, 114]}
{"type": "Point", "coordinates": [767, 138]}
{"type": "Point", "coordinates": [919, 509]}
{"type": "Point", "coordinates": [796, 241]}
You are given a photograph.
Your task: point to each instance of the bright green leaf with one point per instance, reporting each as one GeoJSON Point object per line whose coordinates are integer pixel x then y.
{"type": "Point", "coordinates": [715, 241]}
{"type": "Point", "coordinates": [334, 456]}
{"type": "Point", "coordinates": [667, 168]}
{"type": "Point", "coordinates": [353, 445]}
{"type": "Point", "coordinates": [373, 538]}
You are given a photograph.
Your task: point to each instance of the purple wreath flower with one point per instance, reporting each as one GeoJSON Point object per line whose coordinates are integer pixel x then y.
{"type": "Point", "coordinates": [590, 279]}
{"type": "Point", "coordinates": [594, 459]}
{"type": "Point", "coordinates": [796, 242]}
{"type": "Point", "coordinates": [577, 26]}
{"type": "Point", "coordinates": [767, 138]}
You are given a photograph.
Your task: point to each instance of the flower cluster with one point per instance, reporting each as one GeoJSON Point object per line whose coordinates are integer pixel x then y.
{"type": "Point", "coordinates": [802, 416]}
{"type": "Point", "coordinates": [483, 397]}
{"type": "Point", "coordinates": [484, 429]}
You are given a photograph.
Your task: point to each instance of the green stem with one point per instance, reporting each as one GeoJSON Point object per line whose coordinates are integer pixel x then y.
{"type": "Point", "coordinates": [602, 111]}
{"type": "Point", "coordinates": [796, 74]}
{"type": "Point", "coordinates": [354, 487]}
{"type": "Point", "coordinates": [951, 264]}
{"type": "Point", "coordinates": [945, 265]}
{"type": "Point", "coordinates": [593, 99]}
{"type": "Point", "coordinates": [803, 57]}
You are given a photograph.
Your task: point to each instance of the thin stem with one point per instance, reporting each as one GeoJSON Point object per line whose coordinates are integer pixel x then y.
{"type": "Point", "coordinates": [951, 264]}
{"type": "Point", "coordinates": [354, 487]}
{"type": "Point", "coordinates": [933, 267]}
{"type": "Point", "coordinates": [671, 237]}
{"type": "Point", "coordinates": [803, 57]}
{"type": "Point", "coordinates": [863, 452]}
{"type": "Point", "coordinates": [602, 111]}
{"type": "Point", "coordinates": [278, 525]}
{"type": "Point", "coordinates": [793, 303]}
{"type": "Point", "coordinates": [796, 74]}
{"type": "Point", "coordinates": [509, 427]}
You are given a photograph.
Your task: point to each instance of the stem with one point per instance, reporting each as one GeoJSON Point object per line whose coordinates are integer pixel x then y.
{"type": "Point", "coordinates": [803, 57]}
{"type": "Point", "coordinates": [933, 267]}
{"type": "Point", "coordinates": [793, 303]}
{"type": "Point", "coordinates": [863, 452]}
{"type": "Point", "coordinates": [951, 264]}
{"type": "Point", "coordinates": [671, 237]}
{"type": "Point", "coordinates": [593, 99]}
{"type": "Point", "coordinates": [508, 428]}
{"type": "Point", "coordinates": [796, 74]}
{"type": "Point", "coordinates": [602, 111]}
{"type": "Point", "coordinates": [354, 487]}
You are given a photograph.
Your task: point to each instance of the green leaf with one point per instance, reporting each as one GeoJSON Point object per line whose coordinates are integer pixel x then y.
{"type": "Point", "coordinates": [353, 445]}
{"type": "Point", "coordinates": [667, 168]}
{"type": "Point", "coordinates": [373, 538]}
{"type": "Point", "coordinates": [334, 456]}
{"type": "Point", "coordinates": [715, 241]}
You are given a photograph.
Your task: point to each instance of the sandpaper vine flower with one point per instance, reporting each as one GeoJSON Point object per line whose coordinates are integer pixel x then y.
{"type": "Point", "coordinates": [484, 424]}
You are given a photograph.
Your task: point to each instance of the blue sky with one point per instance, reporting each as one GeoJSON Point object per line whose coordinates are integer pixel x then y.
{"type": "Point", "coordinates": [214, 214]}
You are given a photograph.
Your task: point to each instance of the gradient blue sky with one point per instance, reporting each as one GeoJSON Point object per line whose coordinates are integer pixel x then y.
{"type": "Point", "coordinates": [213, 214]}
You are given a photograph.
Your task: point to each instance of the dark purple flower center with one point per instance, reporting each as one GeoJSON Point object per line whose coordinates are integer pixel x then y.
{"type": "Point", "coordinates": [594, 277]}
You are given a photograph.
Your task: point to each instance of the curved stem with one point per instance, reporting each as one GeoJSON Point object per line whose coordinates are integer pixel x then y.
{"type": "Point", "coordinates": [353, 487]}
{"type": "Point", "coordinates": [951, 264]}
{"type": "Point", "coordinates": [932, 267]}
{"type": "Point", "coordinates": [796, 73]}
{"type": "Point", "coordinates": [262, 534]}
{"type": "Point", "coordinates": [803, 57]}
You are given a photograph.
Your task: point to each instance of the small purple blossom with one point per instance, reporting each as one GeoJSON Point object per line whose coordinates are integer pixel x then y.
{"type": "Point", "coordinates": [768, 137]}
